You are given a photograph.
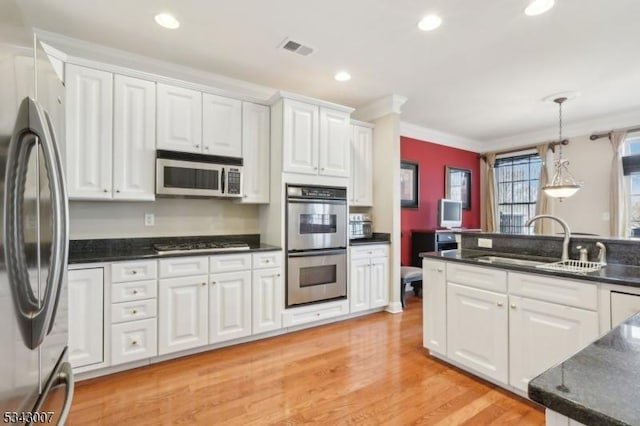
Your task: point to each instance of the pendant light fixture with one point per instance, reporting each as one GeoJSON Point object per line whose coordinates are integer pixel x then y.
{"type": "Point", "coordinates": [562, 185]}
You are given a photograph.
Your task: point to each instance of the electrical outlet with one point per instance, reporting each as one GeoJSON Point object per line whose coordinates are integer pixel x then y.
{"type": "Point", "coordinates": [485, 242]}
{"type": "Point", "coordinates": [149, 219]}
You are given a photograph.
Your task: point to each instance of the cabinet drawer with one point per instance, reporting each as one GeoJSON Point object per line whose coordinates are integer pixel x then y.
{"type": "Point", "coordinates": [134, 271]}
{"type": "Point", "coordinates": [184, 266]}
{"type": "Point", "coordinates": [374, 250]}
{"type": "Point", "coordinates": [131, 341]}
{"type": "Point", "coordinates": [230, 262]}
{"type": "Point", "coordinates": [270, 259]}
{"type": "Point", "coordinates": [307, 314]}
{"type": "Point", "coordinates": [476, 276]}
{"type": "Point", "coordinates": [137, 290]}
{"type": "Point", "coordinates": [131, 311]}
{"type": "Point", "coordinates": [581, 294]}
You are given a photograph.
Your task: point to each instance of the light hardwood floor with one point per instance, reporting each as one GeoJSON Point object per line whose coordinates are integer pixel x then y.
{"type": "Point", "coordinates": [370, 370]}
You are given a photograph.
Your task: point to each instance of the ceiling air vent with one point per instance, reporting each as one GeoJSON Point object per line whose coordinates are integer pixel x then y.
{"type": "Point", "coordinates": [295, 47]}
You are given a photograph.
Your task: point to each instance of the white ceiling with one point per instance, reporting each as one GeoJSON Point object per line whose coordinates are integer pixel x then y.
{"type": "Point", "coordinates": [481, 75]}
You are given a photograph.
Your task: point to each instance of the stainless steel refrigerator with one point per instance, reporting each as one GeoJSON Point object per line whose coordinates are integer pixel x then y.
{"type": "Point", "coordinates": [36, 382]}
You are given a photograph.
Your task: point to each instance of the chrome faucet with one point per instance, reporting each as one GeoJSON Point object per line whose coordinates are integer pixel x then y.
{"type": "Point", "coordinates": [602, 254]}
{"type": "Point", "coordinates": [565, 228]}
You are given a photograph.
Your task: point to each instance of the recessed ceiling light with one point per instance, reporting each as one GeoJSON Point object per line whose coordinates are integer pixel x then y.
{"type": "Point", "coordinates": [538, 7]}
{"type": "Point", "coordinates": [430, 22]}
{"type": "Point", "coordinates": [167, 20]}
{"type": "Point", "coordinates": [342, 76]}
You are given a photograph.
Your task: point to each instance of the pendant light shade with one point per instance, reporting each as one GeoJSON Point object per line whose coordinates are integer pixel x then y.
{"type": "Point", "coordinates": [562, 184]}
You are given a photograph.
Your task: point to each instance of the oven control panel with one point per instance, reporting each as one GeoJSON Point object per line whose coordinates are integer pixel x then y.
{"type": "Point", "coordinates": [319, 192]}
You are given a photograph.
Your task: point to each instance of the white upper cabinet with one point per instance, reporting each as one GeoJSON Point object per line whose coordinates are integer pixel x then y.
{"type": "Point", "coordinates": [134, 139]}
{"type": "Point", "coordinates": [221, 126]}
{"type": "Point", "coordinates": [179, 119]}
{"type": "Point", "coordinates": [301, 137]}
{"type": "Point", "coordinates": [315, 140]}
{"type": "Point", "coordinates": [361, 166]}
{"type": "Point", "coordinates": [89, 122]}
{"type": "Point", "coordinates": [335, 148]}
{"type": "Point", "coordinates": [255, 153]}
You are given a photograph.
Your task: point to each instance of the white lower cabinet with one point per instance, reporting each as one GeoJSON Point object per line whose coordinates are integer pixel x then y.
{"type": "Point", "coordinates": [542, 333]}
{"type": "Point", "coordinates": [229, 306]}
{"type": "Point", "coordinates": [182, 313]}
{"type": "Point", "coordinates": [477, 330]}
{"type": "Point", "coordinates": [86, 290]}
{"type": "Point", "coordinates": [507, 326]}
{"type": "Point", "coordinates": [369, 283]}
{"type": "Point", "coordinates": [434, 306]}
{"type": "Point", "coordinates": [268, 300]}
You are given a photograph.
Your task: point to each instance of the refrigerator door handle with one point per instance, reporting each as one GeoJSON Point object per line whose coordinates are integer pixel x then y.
{"type": "Point", "coordinates": [63, 375]}
{"type": "Point", "coordinates": [35, 318]}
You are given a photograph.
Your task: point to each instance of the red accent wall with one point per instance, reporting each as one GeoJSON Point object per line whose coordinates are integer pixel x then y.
{"type": "Point", "coordinates": [432, 159]}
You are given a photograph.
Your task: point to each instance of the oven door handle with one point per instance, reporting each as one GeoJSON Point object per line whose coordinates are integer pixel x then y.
{"type": "Point", "coordinates": [332, 252]}
{"type": "Point", "coordinates": [315, 201]}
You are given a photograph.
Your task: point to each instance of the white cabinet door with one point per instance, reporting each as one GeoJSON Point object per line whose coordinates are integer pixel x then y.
{"type": "Point", "coordinates": [379, 284]}
{"type": "Point", "coordinates": [179, 122]}
{"type": "Point", "coordinates": [255, 153]}
{"type": "Point", "coordinates": [86, 289]}
{"type": "Point", "coordinates": [300, 134]}
{"type": "Point", "coordinates": [89, 121]}
{"type": "Point", "coordinates": [183, 313]}
{"type": "Point", "coordinates": [229, 306]}
{"type": "Point", "coordinates": [268, 300]}
{"type": "Point", "coordinates": [221, 126]}
{"type": "Point", "coordinates": [134, 139]}
{"type": "Point", "coordinates": [360, 284]}
{"type": "Point", "coordinates": [478, 330]}
{"type": "Point", "coordinates": [361, 166]}
{"type": "Point", "coordinates": [542, 334]}
{"type": "Point", "coordinates": [623, 306]}
{"type": "Point", "coordinates": [335, 146]}
{"type": "Point", "coordinates": [434, 306]}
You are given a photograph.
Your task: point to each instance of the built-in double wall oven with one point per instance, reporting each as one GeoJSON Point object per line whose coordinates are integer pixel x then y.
{"type": "Point", "coordinates": [316, 244]}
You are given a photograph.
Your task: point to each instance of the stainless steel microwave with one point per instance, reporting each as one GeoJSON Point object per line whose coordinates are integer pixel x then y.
{"type": "Point", "coordinates": [196, 175]}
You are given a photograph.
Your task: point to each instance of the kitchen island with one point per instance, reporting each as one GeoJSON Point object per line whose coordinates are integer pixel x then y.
{"type": "Point", "coordinates": [599, 384]}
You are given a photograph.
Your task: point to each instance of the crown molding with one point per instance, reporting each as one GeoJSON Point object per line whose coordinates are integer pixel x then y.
{"type": "Point", "coordinates": [582, 128]}
{"type": "Point", "coordinates": [84, 53]}
{"type": "Point", "coordinates": [441, 138]}
{"type": "Point", "coordinates": [391, 104]}
{"type": "Point", "coordinates": [280, 94]}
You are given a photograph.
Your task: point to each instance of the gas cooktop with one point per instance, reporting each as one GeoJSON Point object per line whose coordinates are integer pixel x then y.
{"type": "Point", "coordinates": [199, 247]}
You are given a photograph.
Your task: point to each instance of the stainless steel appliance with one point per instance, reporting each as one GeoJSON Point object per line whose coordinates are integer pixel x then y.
{"type": "Point", "coordinates": [360, 226]}
{"type": "Point", "coordinates": [196, 175]}
{"type": "Point", "coordinates": [316, 244]}
{"type": "Point", "coordinates": [36, 382]}
{"type": "Point", "coordinates": [199, 247]}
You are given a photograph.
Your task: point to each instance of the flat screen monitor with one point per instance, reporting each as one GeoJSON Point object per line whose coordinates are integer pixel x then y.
{"type": "Point", "coordinates": [449, 213]}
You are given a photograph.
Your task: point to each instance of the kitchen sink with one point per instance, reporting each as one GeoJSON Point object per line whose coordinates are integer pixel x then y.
{"type": "Point", "coordinates": [575, 266]}
{"type": "Point", "coordinates": [510, 261]}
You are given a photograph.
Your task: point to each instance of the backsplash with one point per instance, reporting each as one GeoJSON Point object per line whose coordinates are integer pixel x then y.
{"type": "Point", "coordinates": [626, 252]}
{"type": "Point", "coordinates": [173, 217]}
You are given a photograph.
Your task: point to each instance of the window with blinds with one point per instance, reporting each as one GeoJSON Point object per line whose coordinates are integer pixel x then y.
{"type": "Point", "coordinates": [631, 169]}
{"type": "Point", "coordinates": [517, 182]}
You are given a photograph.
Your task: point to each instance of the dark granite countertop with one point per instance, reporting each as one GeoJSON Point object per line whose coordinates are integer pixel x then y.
{"type": "Point", "coordinates": [612, 273]}
{"type": "Point", "coordinates": [120, 249]}
{"type": "Point", "coordinates": [599, 384]}
{"type": "Point", "coordinates": [377, 238]}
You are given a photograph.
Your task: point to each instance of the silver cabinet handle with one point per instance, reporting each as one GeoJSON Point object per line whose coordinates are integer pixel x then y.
{"type": "Point", "coordinates": [134, 342]}
{"type": "Point", "coordinates": [277, 275]}
{"type": "Point", "coordinates": [499, 304]}
{"type": "Point", "coordinates": [118, 191]}
{"type": "Point", "coordinates": [135, 291]}
{"type": "Point", "coordinates": [204, 284]}
{"type": "Point", "coordinates": [440, 270]}
{"type": "Point", "coordinates": [105, 190]}
{"type": "Point", "coordinates": [134, 312]}
{"type": "Point", "coordinates": [197, 146]}
{"type": "Point", "coordinates": [513, 306]}
{"type": "Point", "coordinates": [134, 271]}
{"type": "Point", "coordinates": [206, 147]}
{"type": "Point", "coordinates": [267, 260]}
{"type": "Point", "coordinates": [213, 282]}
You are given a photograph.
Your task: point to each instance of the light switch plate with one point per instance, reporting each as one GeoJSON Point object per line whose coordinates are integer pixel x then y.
{"type": "Point", "coordinates": [485, 242]}
{"type": "Point", "coordinates": [149, 219]}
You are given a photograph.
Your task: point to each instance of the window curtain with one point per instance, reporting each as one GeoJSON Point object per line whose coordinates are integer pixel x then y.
{"type": "Point", "coordinates": [543, 205]}
{"type": "Point", "coordinates": [489, 219]}
{"type": "Point", "coordinates": [618, 202]}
